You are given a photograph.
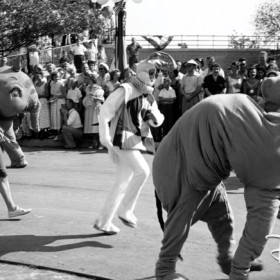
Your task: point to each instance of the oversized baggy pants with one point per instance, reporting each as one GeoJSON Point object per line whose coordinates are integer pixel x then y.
{"type": "Point", "coordinates": [211, 207]}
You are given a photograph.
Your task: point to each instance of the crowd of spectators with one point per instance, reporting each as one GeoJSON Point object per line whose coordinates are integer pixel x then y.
{"type": "Point", "coordinates": [84, 77]}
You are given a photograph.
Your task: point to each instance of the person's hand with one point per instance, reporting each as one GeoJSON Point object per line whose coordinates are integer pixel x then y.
{"type": "Point", "coordinates": [152, 117]}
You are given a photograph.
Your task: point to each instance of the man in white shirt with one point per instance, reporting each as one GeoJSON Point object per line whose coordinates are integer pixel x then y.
{"type": "Point", "coordinates": [71, 125]}
{"type": "Point", "coordinates": [78, 51]}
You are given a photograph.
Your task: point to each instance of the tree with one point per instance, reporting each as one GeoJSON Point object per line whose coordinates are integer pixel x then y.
{"type": "Point", "coordinates": [267, 20]}
{"type": "Point", "coordinates": [22, 22]}
{"type": "Point", "coordinates": [243, 42]}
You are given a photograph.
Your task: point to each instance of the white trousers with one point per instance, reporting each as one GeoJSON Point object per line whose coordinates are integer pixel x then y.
{"type": "Point", "coordinates": [132, 171]}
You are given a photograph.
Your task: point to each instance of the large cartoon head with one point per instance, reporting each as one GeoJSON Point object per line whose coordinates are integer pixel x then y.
{"type": "Point", "coordinates": [18, 94]}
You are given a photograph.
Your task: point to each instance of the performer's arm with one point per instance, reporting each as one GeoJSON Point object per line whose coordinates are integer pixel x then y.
{"type": "Point", "coordinates": [107, 112]}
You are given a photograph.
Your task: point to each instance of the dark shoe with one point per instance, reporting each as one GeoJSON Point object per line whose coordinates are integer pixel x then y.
{"type": "Point", "coordinates": [256, 265]}
{"type": "Point", "coordinates": [128, 223]}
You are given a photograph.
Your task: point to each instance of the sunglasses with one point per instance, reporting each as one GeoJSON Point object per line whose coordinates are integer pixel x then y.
{"type": "Point", "coordinates": [101, 68]}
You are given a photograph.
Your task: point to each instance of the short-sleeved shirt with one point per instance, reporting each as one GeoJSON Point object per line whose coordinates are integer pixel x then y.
{"type": "Point", "coordinates": [214, 86]}
{"type": "Point", "coordinates": [74, 119]}
{"type": "Point", "coordinates": [78, 50]}
{"type": "Point", "coordinates": [191, 82]}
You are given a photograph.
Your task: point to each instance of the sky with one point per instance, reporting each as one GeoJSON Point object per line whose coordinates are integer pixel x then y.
{"type": "Point", "coordinates": [191, 17]}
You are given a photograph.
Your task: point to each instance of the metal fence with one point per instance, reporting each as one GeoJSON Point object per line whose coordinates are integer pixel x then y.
{"type": "Point", "coordinates": [212, 41]}
{"type": "Point", "coordinates": [178, 42]}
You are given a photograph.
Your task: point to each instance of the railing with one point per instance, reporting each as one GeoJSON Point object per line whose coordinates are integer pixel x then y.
{"type": "Point", "coordinates": [214, 41]}
{"type": "Point", "coordinates": [178, 42]}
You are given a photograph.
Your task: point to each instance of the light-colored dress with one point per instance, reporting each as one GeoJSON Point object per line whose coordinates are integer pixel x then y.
{"type": "Point", "coordinates": [44, 116]}
{"type": "Point", "coordinates": [94, 97]}
{"type": "Point", "coordinates": [55, 105]}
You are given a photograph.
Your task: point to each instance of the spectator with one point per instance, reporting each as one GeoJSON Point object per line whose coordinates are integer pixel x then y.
{"type": "Point", "coordinates": [3, 61]}
{"type": "Point", "coordinates": [200, 65]}
{"type": "Point", "coordinates": [44, 116]}
{"type": "Point", "coordinates": [92, 102]}
{"type": "Point", "coordinates": [262, 58]}
{"type": "Point", "coordinates": [214, 83]}
{"type": "Point", "coordinates": [104, 76]}
{"type": "Point", "coordinates": [92, 65]}
{"type": "Point", "coordinates": [210, 60]}
{"type": "Point", "coordinates": [101, 55]}
{"type": "Point", "coordinates": [179, 66]}
{"type": "Point", "coordinates": [64, 57]}
{"type": "Point", "coordinates": [166, 100]}
{"type": "Point", "coordinates": [127, 74]}
{"type": "Point", "coordinates": [72, 128]}
{"type": "Point", "coordinates": [78, 51]}
{"type": "Point", "coordinates": [191, 86]}
{"type": "Point", "coordinates": [133, 52]}
{"type": "Point", "coordinates": [242, 67]}
{"type": "Point", "coordinates": [63, 70]}
{"type": "Point", "coordinates": [74, 93]}
{"type": "Point", "coordinates": [57, 99]}
{"type": "Point", "coordinates": [92, 51]}
{"type": "Point", "coordinates": [252, 86]}
{"type": "Point", "coordinates": [72, 75]}
{"type": "Point", "coordinates": [113, 83]}
{"type": "Point", "coordinates": [234, 80]}
{"type": "Point", "coordinates": [175, 84]}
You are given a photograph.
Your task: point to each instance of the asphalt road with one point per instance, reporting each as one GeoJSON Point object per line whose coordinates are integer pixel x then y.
{"type": "Point", "coordinates": [66, 190]}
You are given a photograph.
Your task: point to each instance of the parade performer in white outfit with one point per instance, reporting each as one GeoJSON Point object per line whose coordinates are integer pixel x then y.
{"type": "Point", "coordinates": [130, 109]}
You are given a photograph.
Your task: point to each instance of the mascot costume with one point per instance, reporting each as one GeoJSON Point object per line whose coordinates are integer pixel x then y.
{"type": "Point", "coordinates": [220, 134]}
{"type": "Point", "coordinates": [131, 109]}
{"type": "Point", "coordinates": [17, 95]}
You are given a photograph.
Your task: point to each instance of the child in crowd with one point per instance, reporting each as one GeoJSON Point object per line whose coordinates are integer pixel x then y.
{"type": "Point", "coordinates": [75, 94]}
{"type": "Point", "coordinates": [57, 99]}
{"type": "Point", "coordinates": [92, 102]}
{"type": "Point", "coordinates": [166, 98]}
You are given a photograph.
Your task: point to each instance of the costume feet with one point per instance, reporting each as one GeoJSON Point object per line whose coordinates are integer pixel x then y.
{"type": "Point", "coordinates": [172, 276]}
{"type": "Point", "coordinates": [256, 265]}
{"type": "Point", "coordinates": [18, 212]}
{"type": "Point", "coordinates": [109, 230]}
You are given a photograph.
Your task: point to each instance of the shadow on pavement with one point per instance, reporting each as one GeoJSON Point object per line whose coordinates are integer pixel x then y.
{"type": "Point", "coordinates": [33, 243]}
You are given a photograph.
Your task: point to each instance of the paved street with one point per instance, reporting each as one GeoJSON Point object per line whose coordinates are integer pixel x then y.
{"type": "Point", "coordinates": [66, 190]}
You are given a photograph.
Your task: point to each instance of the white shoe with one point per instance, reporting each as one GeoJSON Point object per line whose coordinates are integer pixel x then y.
{"type": "Point", "coordinates": [109, 229]}
{"type": "Point", "coordinates": [18, 212]}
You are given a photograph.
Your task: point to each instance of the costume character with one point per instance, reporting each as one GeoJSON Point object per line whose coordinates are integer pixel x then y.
{"type": "Point", "coordinates": [220, 134]}
{"type": "Point", "coordinates": [131, 110]}
{"type": "Point", "coordinates": [17, 94]}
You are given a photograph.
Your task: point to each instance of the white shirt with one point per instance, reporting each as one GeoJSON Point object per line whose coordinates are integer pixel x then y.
{"type": "Point", "coordinates": [78, 50]}
{"type": "Point", "coordinates": [92, 53]}
{"type": "Point", "coordinates": [167, 93]}
{"type": "Point", "coordinates": [74, 119]}
{"type": "Point", "coordinates": [190, 83]}
{"type": "Point", "coordinates": [74, 94]}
